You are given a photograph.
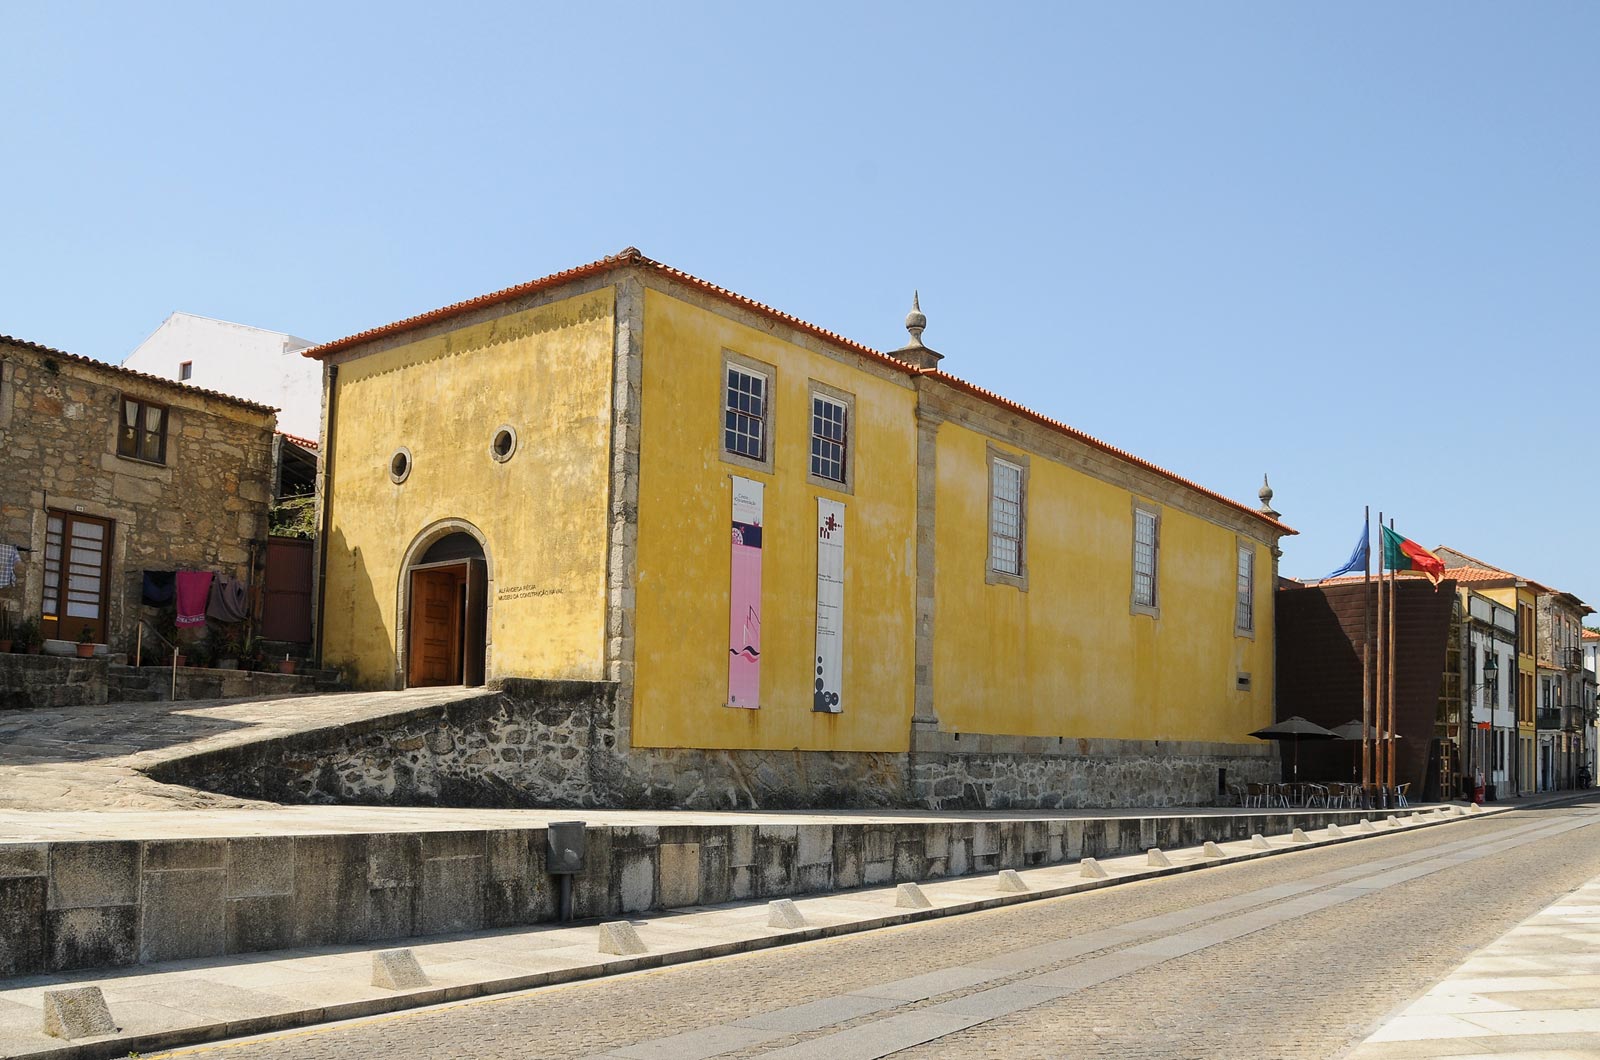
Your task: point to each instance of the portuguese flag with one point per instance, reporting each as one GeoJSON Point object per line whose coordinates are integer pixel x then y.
{"type": "Point", "coordinates": [1402, 553]}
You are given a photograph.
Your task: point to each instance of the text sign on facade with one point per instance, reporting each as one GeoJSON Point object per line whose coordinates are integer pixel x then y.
{"type": "Point", "coordinates": [744, 598]}
{"type": "Point", "coordinates": [830, 607]}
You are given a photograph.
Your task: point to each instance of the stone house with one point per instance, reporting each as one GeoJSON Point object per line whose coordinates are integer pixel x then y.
{"type": "Point", "coordinates": [801, 568]}
{"type": "Point", "coordinates": [111, 472]}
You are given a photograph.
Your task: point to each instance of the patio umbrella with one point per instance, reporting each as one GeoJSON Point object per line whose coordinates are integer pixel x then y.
{"type": "Point", "coordinates": [1354, 730]}
{"type": "Point", "coordinates": [1294, 729]}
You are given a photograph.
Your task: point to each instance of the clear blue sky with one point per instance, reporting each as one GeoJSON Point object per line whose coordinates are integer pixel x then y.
{"type": "Point", "coordinates": [1356, 245]}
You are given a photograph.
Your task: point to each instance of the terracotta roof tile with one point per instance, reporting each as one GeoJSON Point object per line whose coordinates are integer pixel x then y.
{"type": "Point", "coordinates": [631, 256]}
{"type": "Point", "coordinates": [170, 384]}
{"type": "Point", "coordinates": [304, 443]}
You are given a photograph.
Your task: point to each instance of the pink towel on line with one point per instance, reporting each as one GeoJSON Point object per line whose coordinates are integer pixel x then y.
{"type": "Point", "coordinates": [193, 590]}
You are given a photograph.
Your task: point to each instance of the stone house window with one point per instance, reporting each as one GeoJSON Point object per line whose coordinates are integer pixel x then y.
{"type": "Point", "coordinates": [142, 433]}
{"type": "Point", "coordinates": [185, 371]}
{"type": "Point", "coordinates": [1244, 616]}
{"type": "Point", "coordinates": [747, 412]}
{"type": "Point", "coordinates": [1008, 519]}
{"type": "Point", "coordinates": [1146, 560]}
{"type": "Point", "coordinates": [832, 438]}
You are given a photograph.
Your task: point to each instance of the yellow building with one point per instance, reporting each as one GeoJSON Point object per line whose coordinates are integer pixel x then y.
{"type": "Point", "coordinates": [801, 568]}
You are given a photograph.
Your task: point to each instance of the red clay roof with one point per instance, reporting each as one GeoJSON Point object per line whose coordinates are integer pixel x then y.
{"type": "Point", "coordinates": [170, 384]}
{"type": "Point", "coordinates": [631, 256]}
{"type": "Point", "coordinates": [1590, 634]}
{"type": "Point", "coordinates": [304, 443]}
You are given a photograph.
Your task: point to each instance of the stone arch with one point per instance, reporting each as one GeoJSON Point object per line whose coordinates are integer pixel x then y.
{"type": "Point", "coordinates": [429, 536]}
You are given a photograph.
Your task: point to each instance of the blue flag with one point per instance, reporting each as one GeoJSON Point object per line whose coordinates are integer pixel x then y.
{"type": "Point", "coordinates": [1358, 558]}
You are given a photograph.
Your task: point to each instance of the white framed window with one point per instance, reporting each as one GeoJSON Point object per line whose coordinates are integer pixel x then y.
{"type": "Point", "coordinates": [830, 464]}
{"type": "Point", "coordinates": [1008, 519]}
{"type": "Point", "coordinates": [1244, 609]}
{"type": "Point", "coordinates": [185, 371]}
{"type": "Point", "coordinates": [746, 422]}
{"type": "Point", "coordinates": [1146, 560]}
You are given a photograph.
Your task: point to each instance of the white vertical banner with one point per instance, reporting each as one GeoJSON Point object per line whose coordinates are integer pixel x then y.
{"type": "Point", "coordinates": [744, 599]}
{"type": "Point", "coordinates": [830, 607]}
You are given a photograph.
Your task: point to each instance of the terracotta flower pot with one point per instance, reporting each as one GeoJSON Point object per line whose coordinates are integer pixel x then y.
{"type": "Point", "coordinates": [86, 651]}
{"type": "Point", "coordinates": [286, 666]}
{"type": "Point", "coordinates": [182, 660]}
{"type": "Point", "coordinates": [5, 646]}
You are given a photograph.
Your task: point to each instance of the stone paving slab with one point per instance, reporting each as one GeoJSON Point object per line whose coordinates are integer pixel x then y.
{"type": "Point", "coordinates": [1516, 997]}
{"type": "Point", "coordinates": [187, 1001]}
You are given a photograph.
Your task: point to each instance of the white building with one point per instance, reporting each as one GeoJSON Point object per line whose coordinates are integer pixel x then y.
{"type": "Point", "coordinates": [1491, 630]}
{"type": "Point", "coordinates": [253, 363]}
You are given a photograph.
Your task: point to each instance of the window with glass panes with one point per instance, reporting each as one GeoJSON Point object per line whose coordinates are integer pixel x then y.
{"type": "Point", "coordinates": [828, 438]}
{"type": "Point", "coordinates": [1144, 558]}
{"type": "Point", "coordinates": [1005, 518]}
{"type": "Point", "coordinates": [1245, 610]}
{"type": "Point", "coordinates": [745, 414]}
{"type": "Point", "coordinates": [143, 433]}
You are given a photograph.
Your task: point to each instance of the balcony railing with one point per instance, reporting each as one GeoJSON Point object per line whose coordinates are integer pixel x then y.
{"type": "Point", "coordinates": [1569, 658]}
{"type": "Point", "coordinates": [1548, 718]}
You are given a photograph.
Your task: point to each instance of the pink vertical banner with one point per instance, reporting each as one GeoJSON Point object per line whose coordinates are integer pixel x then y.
{"type": "Point", "coordinates": [744, 598]}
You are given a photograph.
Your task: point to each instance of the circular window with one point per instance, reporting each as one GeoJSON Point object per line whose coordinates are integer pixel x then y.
{"type": "Point", "coordinates": [400, 465]}
{"type": "Point", "coordinates": [504, 443]}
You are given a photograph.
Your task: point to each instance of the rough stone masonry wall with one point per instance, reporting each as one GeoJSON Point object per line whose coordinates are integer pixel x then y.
{"type": "Point", "coordinates": [58, 431]}
{"type": "Point", "coordinates": [1004, 772]}
{"type": "Point", "coordinates": [35, 681]}
{"type": "Point", "coordinates": [534, 743]}
{"type": "Point", "coordinates": [553, 743]}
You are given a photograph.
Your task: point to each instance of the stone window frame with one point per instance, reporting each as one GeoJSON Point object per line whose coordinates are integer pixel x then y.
{"type": "Point", "coordinates": [817, 389]}
{"type": "Point", "coordinates": [399, 477]}
{"type": "Point", "coordinates": [1244, 546]}
{"type": "Point", "coordinates": [511, 449]}
{"type": "Point", "coordinates": [733, 359]}
{"type": "Point", "coordinates": [1135, 605]}
{"type": "Point", "coordinates": [994, 454]}
{"type": "Point", "coordinates": [165, 432]}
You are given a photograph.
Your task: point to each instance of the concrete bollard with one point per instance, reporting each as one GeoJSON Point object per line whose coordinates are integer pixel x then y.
{"type": "Point", "coordinates": [1212, 850]}
{"type": "Point", "coordinates": [80, 1012]}
{"type": "Point", "coordinates": [1300, 836]}
{"type": "Point", "coordinates": [783, 913]}
{"type": "Point", "coordinates": [910, 896]}
{"type": "Point", "coordinates": [618, 937]}
{"type": "Point", "coordinates": [1473, 807]}
{"type": "Point", "coordinates": [1259, 842]}
{"type": "Point", "coordinates": [1459, 811]}
{"type": "Point", "coordinates": [1335, 832]}
{"type": "Point", "coordinates": [397, 970]}
{"type": "Point", "coordinates": [1010, 881]}
{"type": "Point", "coordinates": [1368, 826]}
{"type": "Point", "coordinates": [1392, 822]}
{"type": "Point", "coordinates": [1156, 859]}
{"type": "Point", "coordinates": [1092, 869]}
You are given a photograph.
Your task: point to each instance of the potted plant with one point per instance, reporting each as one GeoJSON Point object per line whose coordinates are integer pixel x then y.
{"type": "Point", "coordinates": [199, 654]}
{"type": "Point", "coordinates": [29, 636]}
{"type": "Point", "coordinates": [230, 645]}
{"type": "Point", "coordinates": [86, 643]}
{"type": "Point", "coordinates": [286, 666]}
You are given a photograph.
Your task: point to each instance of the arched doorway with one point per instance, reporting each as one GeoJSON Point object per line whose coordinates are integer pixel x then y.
{"type": "Point", "coordinates": [444, 598]}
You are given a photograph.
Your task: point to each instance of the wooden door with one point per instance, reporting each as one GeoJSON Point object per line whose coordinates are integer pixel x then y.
{"type": "Point", "coordinates": [286, 590]}
{"type": "Point", "coordinates": [434, 649]}
{"type": "Point", "coordinates": [77, 563]}
{"type": "Point", "coordinates": [475, 636]}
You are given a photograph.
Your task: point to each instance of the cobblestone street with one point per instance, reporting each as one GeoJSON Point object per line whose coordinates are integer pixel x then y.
{"type": "Point", "coordinates": [1297, 956]}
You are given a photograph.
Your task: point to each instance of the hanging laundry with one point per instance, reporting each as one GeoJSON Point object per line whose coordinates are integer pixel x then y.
{"type": "Point", "coordinates": [193, 587]}
{"type": "Point", "coordinates": [230, 601]}
{"type": "Point", "coordinates": [157, 588]}
{"type": "Point", "coordinates": [8, 566]}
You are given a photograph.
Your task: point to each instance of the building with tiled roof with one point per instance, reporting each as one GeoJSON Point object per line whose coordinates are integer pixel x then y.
{"type": "Point", "coordinates": [111, 473]}
{"type": "Point", "coordinates": [795, 567]}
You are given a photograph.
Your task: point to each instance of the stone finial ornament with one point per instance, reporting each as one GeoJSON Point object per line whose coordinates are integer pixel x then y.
{"type": "Point", "coordinates": [1266, 499]}
{"type": "Point", "coordinates": [916, 320]}
{"type": "Point", "coordinates": [914, 352]}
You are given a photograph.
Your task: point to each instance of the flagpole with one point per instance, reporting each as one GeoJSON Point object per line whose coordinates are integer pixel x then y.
{"type": "Point", "coordinates": [1393, 613]}
{"type": "Point", "coordinates": [1366, 656]}
{"type": "Point", "coordinates": [1380, 660]}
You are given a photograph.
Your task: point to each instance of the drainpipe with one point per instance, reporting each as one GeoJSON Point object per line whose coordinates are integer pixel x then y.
{"type": "Point", "coordinates": [327, 507]}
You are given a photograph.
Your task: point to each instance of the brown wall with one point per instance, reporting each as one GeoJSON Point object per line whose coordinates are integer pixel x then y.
{"type": "Point", "coordinates": [1320, 636]}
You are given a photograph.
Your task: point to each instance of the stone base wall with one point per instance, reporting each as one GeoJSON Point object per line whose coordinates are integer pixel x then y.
{"type": "Point", "coordinates": [1007, 772]}
{"type": "Point", "coordinates": [76, 905]}
{"type": "Point", "coordinates": [533, 743]}
{"type": "Point", "coordinates": [554, 743]}
{"type": "Point", "coordinates": [47, 681]}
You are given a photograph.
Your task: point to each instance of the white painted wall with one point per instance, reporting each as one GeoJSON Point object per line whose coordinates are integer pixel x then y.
{"type": "Point", "coordinates": [252, 363]}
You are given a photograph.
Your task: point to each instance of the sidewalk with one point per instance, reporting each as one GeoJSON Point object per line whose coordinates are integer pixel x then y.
{"type": "Point", "coordinates": [181, 1002]}
{"type": "Point", "coordinates": [1534, 992]}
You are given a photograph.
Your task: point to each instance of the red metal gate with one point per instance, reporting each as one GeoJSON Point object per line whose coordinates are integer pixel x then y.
{"type": "Point", "coordinates": [286, 607]}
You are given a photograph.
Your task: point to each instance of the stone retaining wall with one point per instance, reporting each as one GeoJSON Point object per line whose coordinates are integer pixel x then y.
{"type": "Point", "coordinates": [48, 681]}
{"type": "Point", "coordinates": [76, 905]}
{"type": "Point", "coordinates": [553, 743]}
